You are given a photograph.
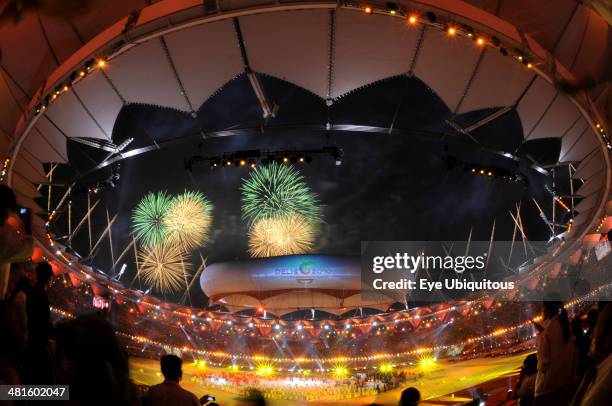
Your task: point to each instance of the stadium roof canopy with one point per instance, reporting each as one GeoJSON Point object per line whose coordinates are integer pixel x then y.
{"type": "Point", "coordinates": [179, 53]}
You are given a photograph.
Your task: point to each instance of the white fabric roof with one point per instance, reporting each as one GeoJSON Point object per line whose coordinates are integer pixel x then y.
{"type": "Point", "coordinates": [295, 46]}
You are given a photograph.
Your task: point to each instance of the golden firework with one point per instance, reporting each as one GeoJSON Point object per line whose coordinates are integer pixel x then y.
{"type": "Point", "coordinates": [283, 235]}
{"type": "Point", "coordinates": [163, 267]}
{"type": "Point", "coordinates": [187, 220]}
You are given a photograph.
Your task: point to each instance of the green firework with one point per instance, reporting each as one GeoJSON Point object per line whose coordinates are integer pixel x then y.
{"type": "Point", "coordinates": [277, 190]}
{"type": "Point", "coordinates": [148, 218]}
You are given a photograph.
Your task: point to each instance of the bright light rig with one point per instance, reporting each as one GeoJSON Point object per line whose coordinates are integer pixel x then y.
{"type": "Point", "coordinates": [252, 158]}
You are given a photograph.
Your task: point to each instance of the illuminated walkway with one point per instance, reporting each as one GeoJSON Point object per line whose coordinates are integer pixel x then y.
{"type": "Point", "coordinates": [446, 378]}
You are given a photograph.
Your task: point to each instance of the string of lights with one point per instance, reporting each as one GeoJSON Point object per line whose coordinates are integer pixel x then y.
{"type": "Point", "coordinates": [404, 316]}
{"type": "Point", "coordinates": [451, 29]}
{"type": "Point", "coordinates": [400, 317]}
{"type": "Point", "coordinates": [491, 171]}
{"type": "Point", "coordinates": [5, 167]}
{"type": "Point", "coordinates": [252, 158]}
{"type": "Point", "coordinates": [222, 355]}
{"type": "Point", "coordinates": [412, 18]}
{"type": "Point", "coordinates": [75, 76]}
{"type": "Point", "coordinates": [429, 320]}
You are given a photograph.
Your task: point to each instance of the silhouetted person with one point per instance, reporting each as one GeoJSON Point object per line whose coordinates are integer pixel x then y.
{"type": "Point", "coordinates": [525, 387]}
{"type": "Point", "coordinates": [169, 392]}
{"type": "Point", "coordinates": [410, 397]}
{"type": "Point", "coordinates": [582, 346]}
{"type": "Point", "coordinates": [252, 397]}
{"type": "Point", "coordinates": [596, 386]}
{"type": "Point", "coordinates": [556, 355]}
{"type": "Point", "coordinates": [592, 316]}
{"type": "Point", "coordinates": [582, 340]}
{"type": "Point", "coordinates": [40, 369]}
{"type": "Point", "coordinates": [15, 236]}
{"type": "Point", "coordinates": [38, 312]}
{"type": "Point", "coordinates": [15, 317]}
{"type": "Point", "coordinates": [90, 359]}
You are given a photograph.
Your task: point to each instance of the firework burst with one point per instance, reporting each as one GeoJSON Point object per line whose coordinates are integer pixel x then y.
{"type": "Point", "coordinates": [187, 220]}
{"type": "Point", "coordinates": [284, 235]}
{"type": "Point", "coordinates": [277, 190]}
{"type": "Point", "coordinates": [147, 219]}
{"type": "Point", "coordinates": [163, 267]}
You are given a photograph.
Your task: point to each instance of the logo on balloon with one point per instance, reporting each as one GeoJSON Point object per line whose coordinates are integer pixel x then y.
{"type": "Point", "coordinates": [306, 267]}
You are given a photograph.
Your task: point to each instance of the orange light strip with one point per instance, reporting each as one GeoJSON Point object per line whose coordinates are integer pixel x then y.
{"type": "Point", "coordinates": [382, 356]}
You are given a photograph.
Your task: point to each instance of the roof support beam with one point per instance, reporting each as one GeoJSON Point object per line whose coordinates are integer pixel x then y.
{"type": "Point", "coordinates": [257, 130]}
{"type": "Point", "coordinates": [498, 113]}
{"type": "Point", "coordinates": [267, 108]}
{"type": "Point", "coordinates": [179, 82]}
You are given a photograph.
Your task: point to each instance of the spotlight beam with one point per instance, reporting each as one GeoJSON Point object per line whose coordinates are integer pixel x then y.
{"type": "Point", "coordinates": [513, 235]}
{"type": "Point", "coordinates": [200, 269]}
{"type": "Point", "coordinates": [520, 228]}
{"type": "Point", "coordinates": [543, 216]}
{"type": "Point", "coordinates": [492, 239]}
{"type": "Point", "coordinates": [110, 236]}
{"type": "Point", "coordinates": [48, 175]}
{"type": "Point", "coordinates": [137, 264]}
{"type": "Point", "coordinates": [186, 283]}
{"type": "Point", "coordinates": [525, 240]}
{"type": "Point", "coordinates": [85, 217]}
{"type": "Point", "coordinates": [125, 250]}
{"type": "Point", "coordinates": [106, 230]}
{"type": "Point", "coordinates": [89, 233]}
{"type": "Point", "coordinates": [62, 200]}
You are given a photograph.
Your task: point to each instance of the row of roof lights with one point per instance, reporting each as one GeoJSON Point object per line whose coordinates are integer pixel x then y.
{"type": "Point", "coordinates": [450, 28]}
{"type": "Point", "coordinates": [602, 131]}
{"type": "Point", "coordinates": [60, 89]}
{"type": "Point", "coordinates": [453, 29]}
{"type": "Point", "coordinates": [391, 9]}
{"type": "Point", "coordinates": [4, 170]}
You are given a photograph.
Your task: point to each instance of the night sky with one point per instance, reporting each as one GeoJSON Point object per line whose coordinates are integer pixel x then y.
{"type": "Point", "coordinates": [389, 187]}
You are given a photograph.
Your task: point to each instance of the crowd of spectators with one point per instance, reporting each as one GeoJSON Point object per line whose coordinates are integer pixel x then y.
{"type": "Point", "coordinates": [573, 361]}
{"type": "Point", "coordinates": [84, 352]}
{"type": "Point", "coordinates": [178, 330]}
{"type": "Point", "coordinates": [160, 324]}
{"type": "Point", "coordinates": [572, 364]}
